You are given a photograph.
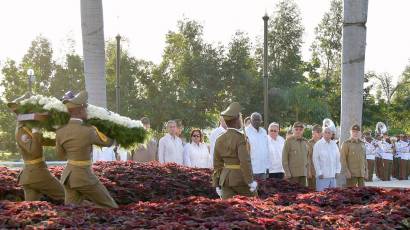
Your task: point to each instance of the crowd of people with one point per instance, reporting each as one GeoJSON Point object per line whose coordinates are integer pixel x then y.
{"type": "Point", "coordinates": [316, 163]}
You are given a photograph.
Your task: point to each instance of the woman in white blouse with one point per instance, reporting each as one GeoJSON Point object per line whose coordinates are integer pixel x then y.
{"type": "Point", "coordinates": [196, 153]}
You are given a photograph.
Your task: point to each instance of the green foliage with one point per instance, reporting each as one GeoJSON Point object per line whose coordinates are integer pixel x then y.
{"type": "Point", "coordinates": [124, 136]}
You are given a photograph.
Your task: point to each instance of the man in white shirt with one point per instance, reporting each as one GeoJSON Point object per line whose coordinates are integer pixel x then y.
{"type": "Point", "coordinates": [403, 151]}
{"type": "Point", "coordinates": [275, 145]}
{"type": "Point", "coordinates": [170, 147]}
{"type": "Point", "coordinates": [258, 142]}
{"type": "Point", "coordinates": [326, 160]}
{"type": "Point", "coordinates": [370, 155]}
{"type": "Point", "coordinates": [214, 135]}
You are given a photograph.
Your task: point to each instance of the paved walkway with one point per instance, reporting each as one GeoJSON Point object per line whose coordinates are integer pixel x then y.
{"type": "Point", "coordinates": [394, 183]}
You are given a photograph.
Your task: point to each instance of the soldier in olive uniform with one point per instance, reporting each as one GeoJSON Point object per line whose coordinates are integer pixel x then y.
{"type": "Point", "coordinates": [35, 177]}
{"type": "Point", "coordinates": [295, 156]}
{"type": "Point", "coordinates": [353, 159]}
{"type": "Point", "coordinates": [316, 135]}
{"type": "Point", "coordinates": [232, 163]}
{"type": "Point", "coordinates": [74, 142]}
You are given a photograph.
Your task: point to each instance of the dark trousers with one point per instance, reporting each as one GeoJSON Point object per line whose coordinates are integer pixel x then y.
{"type": "Point", "coordinates": [396, 167]}
{"type": "Point", "coordinates": [278, 175]}
{"type": "Point", "coordinates": [403, 169]}
{"type": "Point", "coordinates": [370, 169]}
{"type": "Point", "coordinates": [387, 169]}
{"type": "Point", "coordinates": [379, 167]}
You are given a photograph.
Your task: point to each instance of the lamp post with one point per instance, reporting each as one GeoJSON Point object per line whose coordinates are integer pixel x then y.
{"type": "Point", "coordinates": [31, 79]}
{"type": "Point", "coordinates": [265, 71]}
{"type": "Point", "coordinates": [117, 70]}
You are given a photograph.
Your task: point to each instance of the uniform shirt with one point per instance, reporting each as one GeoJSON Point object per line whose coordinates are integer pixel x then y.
{"type": "Point", "coordinates": [258, 142]}
{"type": "Point", "coordinates": [231, 149]}
{"type": "Point", "coordinates": [370, 151]}
{"type": "Point", "coordinates": [294, 157]}
{"type": "Point", "coordinates": [75, 141]}
{"type": "Point", "coordinates": [275, 154]}
{"type": "Point", "coordinates": [403, 150]}
{"type": "Point", "coordinates": [212, 139]}
{"type": "Point", "coordinates": [326, 158]}
{"type": "Point", "coordinates": [353, 157]}
{"type": "Point", "coordinates": [378, 148]}
{"type": "Point", "coordinates": [311, 167]}
{"type": "Point", "coordinates": [197, 155]}
{"type": "Point", "coordinates": [170, 150]}
{"type": "Point", "coordinates": [387, 148]}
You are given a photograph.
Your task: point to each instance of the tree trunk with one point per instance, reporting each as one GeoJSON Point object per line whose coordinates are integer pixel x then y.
{"type": "Point", "coordinates": [353, 56]}
{"type": "Point", "coordinates": [92, 26]}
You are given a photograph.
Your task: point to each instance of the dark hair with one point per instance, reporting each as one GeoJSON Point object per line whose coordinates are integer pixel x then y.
{"type": "Point", "coordinates": [178, 123]}
{"type": "Point", "coordinates": [200, 134]}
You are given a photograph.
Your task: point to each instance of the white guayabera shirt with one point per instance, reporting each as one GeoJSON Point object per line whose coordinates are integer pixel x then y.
{"type": "Point", "coordinates": [387, 148]}
{"type": "Point", "coordinates": [258, 142]}
{"type": "Point", "coordinates": [170, 149]}
{"type": "Point", "coordinates": [212, 139]}
{"type": "Point", "coordinates": [275, 154]}
{"type": "Point", "coordinates": [370, 151]}
{"type": "Point", "coordinates": [326, 158]}
{"type": "Point", "coordinates": [197, 155]}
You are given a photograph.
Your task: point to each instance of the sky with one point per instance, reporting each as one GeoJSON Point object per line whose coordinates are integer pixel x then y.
{"type": "Point", "coordinates": [145, 23]}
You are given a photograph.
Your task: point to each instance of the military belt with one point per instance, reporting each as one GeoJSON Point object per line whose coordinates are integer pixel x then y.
{"type": "Point", "coordinates": [35, 161]}
{"type": "Point", "coordinates": [232, 166]}
{"type": "Point", "coordinates": [80, 163]}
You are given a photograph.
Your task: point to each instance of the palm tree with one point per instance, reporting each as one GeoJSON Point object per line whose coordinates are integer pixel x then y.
{"type": "Point", "coordinates": [92, 25]}
{"type": "Point", "coordinates": [353, 56]}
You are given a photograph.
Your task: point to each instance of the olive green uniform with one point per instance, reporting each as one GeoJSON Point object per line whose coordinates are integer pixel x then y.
{"type": "Point", "coordinates": [353, 160]}
{"type": "Point", "coordinates": [311, 169]}
{"type": "Point", "coordinates": [35, 177]}
{"type": "Point", "coordinates": [232, 165]}
{"type": "Point", "coordinates": [74, 142]}
{"type": "Point", "coordinates": [295, 159]}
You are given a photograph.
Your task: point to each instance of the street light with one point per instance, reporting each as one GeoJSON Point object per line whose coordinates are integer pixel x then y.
{"type": "Point", "coordinates": [31, 79]}
{"type": "Point", "coordinates": [265, 70]}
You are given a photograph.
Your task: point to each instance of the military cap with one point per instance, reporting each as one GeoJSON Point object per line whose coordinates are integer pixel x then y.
{"type": "Point", "coordinates": [298, 124]}
{"type": "Point", "coordinates": [78, 100]}
{"type": "Point", "coordinates": [355, 127]}
{"type": "Point", "coordinates": [232, 112]}
{"type": "Point", "coordinates": [13, 105]}
{"type": "Point", "coordinates": [367, 133]}
{"type": "Point", "coordinates": [317, 128]}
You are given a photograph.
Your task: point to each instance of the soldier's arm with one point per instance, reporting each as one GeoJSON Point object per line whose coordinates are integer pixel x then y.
{"type": "Point", "coordinates": [344, 155]}
{"type": "Point", "coordinates": [245, 161]}
{"type": "Point", "coordinates": [218, 166]}
{"type": "Point", "coordinates": [285, 159]}
{"type": "Point", "coordinates": [310, 163]}
{"type": "Point", "coordinates": [61, 153]}
{"type": "Point", "coordinates": [100, 139]}
{"type": "Point", "coordinates": [29, 142]}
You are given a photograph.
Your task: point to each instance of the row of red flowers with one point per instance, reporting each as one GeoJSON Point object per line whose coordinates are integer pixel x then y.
{"type": "Point", "coordinates": [175, 197]}
{"type": "Point", "coordinates": [130, 182]}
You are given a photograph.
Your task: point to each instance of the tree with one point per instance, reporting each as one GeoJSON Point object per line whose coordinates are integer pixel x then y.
{"type": "Point", "coordinates": [354, 43]}
{"type": "Point", "coordinates": [240, 76]}
{"type": "Point", "coordinates": [326, 56]}
{"type": "Point", "coordinates": [92, 26]}
{"type": "Point", "coordinates": [284, 45]}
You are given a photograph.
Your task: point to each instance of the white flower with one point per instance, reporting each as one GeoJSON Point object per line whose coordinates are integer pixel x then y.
{"type": "Point", "coordinates": [104, 114]}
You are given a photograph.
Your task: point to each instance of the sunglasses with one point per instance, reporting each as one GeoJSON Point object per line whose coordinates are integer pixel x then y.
{"type": "Point", "coordinates": [274, 131]}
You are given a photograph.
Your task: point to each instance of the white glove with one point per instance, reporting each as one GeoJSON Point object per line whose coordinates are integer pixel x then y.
{"type": "Point", "coordinates": [253, 186]}
{"type": "Point", "coordinates": [219, 191]}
